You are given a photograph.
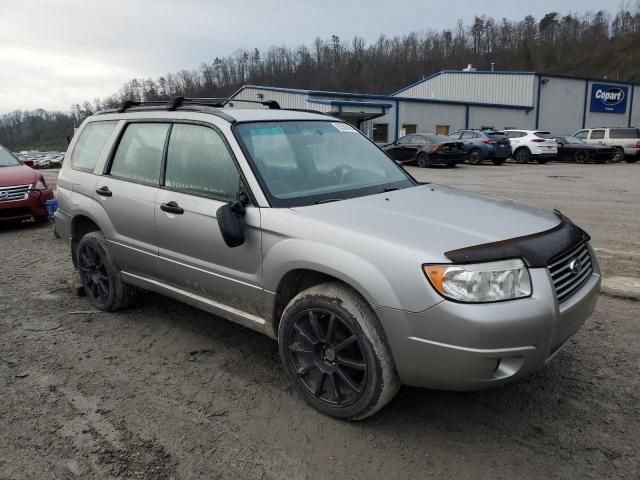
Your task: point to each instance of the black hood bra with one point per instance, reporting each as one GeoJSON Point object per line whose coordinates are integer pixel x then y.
{"type": "Point", "coordinates": [537, 249]}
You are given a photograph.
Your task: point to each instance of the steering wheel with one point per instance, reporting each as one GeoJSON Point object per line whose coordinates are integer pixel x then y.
{"type": "Point", "coordinates": [341, 171]}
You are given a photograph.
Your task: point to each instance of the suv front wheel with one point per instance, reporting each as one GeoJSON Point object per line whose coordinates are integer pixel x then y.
{"type": "Point", "coordinates": [100, 276]}
{"type": "Point", "coordinates": [335, 353]}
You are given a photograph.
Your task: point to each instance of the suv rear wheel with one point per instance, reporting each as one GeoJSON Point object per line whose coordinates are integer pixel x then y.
{"type": "Point", "coordinates": [99, 275]}
{"type": "Point", "coordinates": [476, 157]}
{"type": "Point", "coordinates": [334, 351]}
{"type": "Point", "coordinates": [522, 155]}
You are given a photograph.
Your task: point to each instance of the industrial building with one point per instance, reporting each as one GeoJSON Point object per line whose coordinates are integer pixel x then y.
{"type": "Point", "coordinates": [455, 99]}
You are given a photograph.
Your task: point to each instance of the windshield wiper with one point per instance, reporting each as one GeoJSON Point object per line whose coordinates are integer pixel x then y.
{"type": "Point", "coordinates": [390, 189]}
{"type": "Point", "coordinates": [329, 200]}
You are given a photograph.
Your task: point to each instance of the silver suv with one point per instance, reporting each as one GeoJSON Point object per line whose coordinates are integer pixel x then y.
{"type": "Point", "coordinates": [296, 225]}
{"type": "Point", "coordinates": [626, 141]}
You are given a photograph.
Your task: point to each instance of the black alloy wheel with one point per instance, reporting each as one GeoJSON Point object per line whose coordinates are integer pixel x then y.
{"type": "Point", "coordinates": [522, 156]}
{"type": "Point", "coordinates": [423, 160]}
{"type": "Point", "coordinates": [475, 157]}
{"type": "Point", "coordinates": [328, 357]}
{"type": "Point", "coordinates": [581, 156]}
{"type": "Point", "coordinates": [94, 273]}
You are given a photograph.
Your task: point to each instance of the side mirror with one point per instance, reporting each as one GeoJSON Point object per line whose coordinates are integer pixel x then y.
{"type": "Point", "coordinates": [231, 222]}
{"type": "Point", "coordinates": [28, 163]}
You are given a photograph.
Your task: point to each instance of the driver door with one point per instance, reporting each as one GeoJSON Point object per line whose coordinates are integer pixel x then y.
{"type": "Point", "coordinates": [200, 177]}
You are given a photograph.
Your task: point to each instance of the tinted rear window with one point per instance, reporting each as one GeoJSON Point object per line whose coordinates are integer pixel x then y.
{"type": "Point", "coordinates": [624, 133]}
{"type": "Point", "coordinates": [545, 135]}
{"type": "Point", "coordinates": [497, 135]}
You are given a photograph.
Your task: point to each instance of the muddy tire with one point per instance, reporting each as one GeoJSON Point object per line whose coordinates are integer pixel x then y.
{"type": "Point", "coordinates": [99, 275]}
{"type": "Point", "coordinates": [335, 352]}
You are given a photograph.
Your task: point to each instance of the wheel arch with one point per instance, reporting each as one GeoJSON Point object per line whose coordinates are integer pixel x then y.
{"type": "Point", "coordinates": [81, 224]}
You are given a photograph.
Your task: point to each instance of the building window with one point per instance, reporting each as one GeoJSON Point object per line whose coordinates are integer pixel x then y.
{"type": "Point", "coordinates": [381, 132]}
{"type": "Point", "coordinates": [408, 129]}
{"type": "Point", "coordinates": [442, 129]}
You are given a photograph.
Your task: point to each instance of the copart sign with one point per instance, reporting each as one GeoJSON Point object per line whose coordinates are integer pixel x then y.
{"type": "Point", "coordinates": [608, 98]}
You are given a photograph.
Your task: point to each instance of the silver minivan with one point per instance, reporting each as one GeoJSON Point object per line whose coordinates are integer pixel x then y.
{"type": "Point", "coordinates": [294, 224]}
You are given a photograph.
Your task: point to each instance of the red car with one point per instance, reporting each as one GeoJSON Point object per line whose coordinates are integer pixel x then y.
{"type": "Point", "coordinates": [23, 191]}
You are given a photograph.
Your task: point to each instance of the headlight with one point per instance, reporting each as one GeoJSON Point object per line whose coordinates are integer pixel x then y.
{"type": "Point", "coordinates": [41, 185]}
{"type": "Point", "coordinates": [481, 282]}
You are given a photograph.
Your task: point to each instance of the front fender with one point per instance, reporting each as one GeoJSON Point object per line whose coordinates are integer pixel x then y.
{"type": "Point", "coordinates": [293, 254]}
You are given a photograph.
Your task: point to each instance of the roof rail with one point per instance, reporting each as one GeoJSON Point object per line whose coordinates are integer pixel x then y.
{"type": "Point", "coordinates": [175, 102]}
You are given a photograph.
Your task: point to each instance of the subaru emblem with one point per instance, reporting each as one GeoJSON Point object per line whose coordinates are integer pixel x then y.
{"type": "Point", "coordinates": [575, 266]}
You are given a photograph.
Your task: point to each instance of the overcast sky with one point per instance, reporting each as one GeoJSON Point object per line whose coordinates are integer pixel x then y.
{"type": "Point", "coordinates": [57, 52]}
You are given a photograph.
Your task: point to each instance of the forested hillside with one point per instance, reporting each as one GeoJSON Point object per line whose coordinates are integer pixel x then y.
{"type": "Point", "coordinates": [597, 44]}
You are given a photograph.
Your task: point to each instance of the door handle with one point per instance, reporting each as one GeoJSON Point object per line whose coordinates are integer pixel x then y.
{"type": "Point", "coordinates": [172, 207]}
{"type": "Point", "coordinates": [104, 191]}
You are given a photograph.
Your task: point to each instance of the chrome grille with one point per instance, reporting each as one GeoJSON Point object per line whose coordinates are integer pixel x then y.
{"type": "Point", "coordinates": [571, 270]}
{"type": "Point", "coordinates": [15, 192]}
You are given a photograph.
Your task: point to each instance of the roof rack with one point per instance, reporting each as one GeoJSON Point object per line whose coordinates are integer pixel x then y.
{"type": "Point", "coordinates": [175, 102]}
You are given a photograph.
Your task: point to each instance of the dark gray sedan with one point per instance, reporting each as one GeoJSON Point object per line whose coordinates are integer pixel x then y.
{"type": "Point", "coordinates": [426, 150]}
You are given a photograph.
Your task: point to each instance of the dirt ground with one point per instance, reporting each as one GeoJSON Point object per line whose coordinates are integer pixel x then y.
{"type": "Point", "coordinates": [164, 391]}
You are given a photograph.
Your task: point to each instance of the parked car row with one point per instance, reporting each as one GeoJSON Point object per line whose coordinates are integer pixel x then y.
{"type": "Point", "coordinates": [590, 145]}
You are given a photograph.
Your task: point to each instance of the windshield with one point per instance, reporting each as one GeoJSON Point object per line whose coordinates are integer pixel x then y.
{"type": "Point", "coordinates": [306, 162]}
{"type": "Point", "coordinates": [6, 159]}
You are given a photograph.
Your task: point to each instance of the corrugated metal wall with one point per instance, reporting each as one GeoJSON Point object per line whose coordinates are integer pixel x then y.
{"type": "Point", "coordinates": [503, 89]}
{"type": "Point", "coordinates": [501, 118]}
{"type": "Point", "coordinates": [427, 116]}
{"type": "Point", "coordinates": [285, 99]}
{"type": "Point", "coordinates": [561, 105]}
{"type": "Point", "coordinates": [635, 113]}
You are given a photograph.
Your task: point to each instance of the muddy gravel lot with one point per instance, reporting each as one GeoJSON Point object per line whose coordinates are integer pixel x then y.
{"type": "Point", "coordinates": [163, 391]}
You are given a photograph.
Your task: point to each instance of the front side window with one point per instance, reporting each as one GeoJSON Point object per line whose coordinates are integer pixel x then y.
{"type": "Point", "coordinates": [7, 159]}
{"type": "Point", "coordinates": [199, 162]}
{"type": "Point", "coordinates": [327, 161]}
{"type": "Point", "coordinates": [139, 154]}
{"type": "Point", "coordinates": [380, 132]}
{"type": "Point", "coordinates": [582, 134]}
{"type": "Point", "coordinates": [90, 145]}
{"type": "Point", "coordinates": [597, 134]}
{"type": "Point", "coordinates": [406, 140]}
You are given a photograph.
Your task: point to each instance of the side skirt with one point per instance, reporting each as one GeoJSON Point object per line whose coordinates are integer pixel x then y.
{"type": "Point", "coordinates": [245, 319]}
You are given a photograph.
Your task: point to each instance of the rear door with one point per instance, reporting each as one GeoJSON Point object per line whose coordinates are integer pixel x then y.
{"type": "Point", "coordinates": [127, 192]}
{"type": "Point", "coordinates": [596, 136]}
{"type": "Point", "coordinates": [201, 175]}
{"type": "Point", "coordinates": [516, 138]}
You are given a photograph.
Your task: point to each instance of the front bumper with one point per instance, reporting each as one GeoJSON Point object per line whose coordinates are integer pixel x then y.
{"type": "Point", "coordinates": [455, 346]}
{"type": "Point", "coordinates": [30, 207]}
